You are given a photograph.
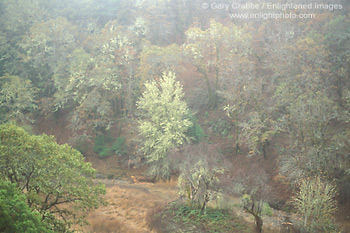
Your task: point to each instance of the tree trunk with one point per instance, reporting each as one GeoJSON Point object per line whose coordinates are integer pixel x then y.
{"type": "Point", "coordinates": [258, 220]}
{"type": "Point", "coordinates": [237, 149]}
{"type": "Point", "coordinates": [203, 207]}
{"type": "Point", "coordinates": [259, 223]}
{"type": "Point", "coordinates": [206, 199]}
{"type": "Point", "coordinates": [264, 150]}
{"type": "Point", "coordinates": [211, 93]}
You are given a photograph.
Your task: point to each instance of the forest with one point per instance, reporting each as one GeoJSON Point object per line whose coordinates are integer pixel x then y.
{"type": "Point", "coordinates": [174, 116]}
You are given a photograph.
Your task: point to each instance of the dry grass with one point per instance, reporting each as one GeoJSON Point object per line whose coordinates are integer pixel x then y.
{"type": "Point", "coordinates": [106, 223]}
{"type": "Point", "coordinates": [107, 167]}
{"type": "Point", "coordinates": [152, 222]}
{"type": "Point", "coordinates": [130, 207]}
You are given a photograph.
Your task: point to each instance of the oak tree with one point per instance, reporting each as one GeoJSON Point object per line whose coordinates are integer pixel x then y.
{"type": "Point", "coordinates": [50, 176]}
{"type": "Point", "coordinates": [217, 54]}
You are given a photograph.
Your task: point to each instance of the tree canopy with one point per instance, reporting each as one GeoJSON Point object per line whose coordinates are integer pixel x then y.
{"type": "Point", "coordinates": [275, 88]}
{"type": "Point", "coordinates": [50, 175]}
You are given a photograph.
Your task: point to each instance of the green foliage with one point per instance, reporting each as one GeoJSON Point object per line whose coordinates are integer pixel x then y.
{"type": "Point", "coordinates": [257, 132]}
{"type": "Point", "coordinates": [316, 203]}
{"type": "Point", "coordinates": [46, 50]}
{"type": "Point", "coordinates": [266, 209]}
{"type": "Point", "coordinates": [164, 124]}
{"type": "Point", "coordinates": [8, 54]}
{"type": "Point", "coordinates": [211, 52]}
{"type": "Point", "coordinates": [15, 214]}
{"type": "Point", "coordinates": [103, 81]}
{"type": "Point", "coordinates": [17, 97]}
{"type": "Point", "coordinates": [191, 219]}
{"type": "Point", "coordinates": [101, 144]}
{"type": "Point", "coordinates": [336, 38]}
{"type": "Point", "coordinates": [103, 147]}
{"type": "Point", "coordinates": [221, 127]}
{"type": "Point", "coordinates": [119, 147]}
{"type": "Point", "coordinates": [195, 132]}
{"type": "Point", "coordinates": [252, 113]}
{"type": "Point", "coordinates": [288, 78]}
{"type": "Point", "coordinates": [91, 88]}
{"type": "Point", "coordinates": [50, 175]}
{"type": "Point", "coordinates": [212, 216]}
{"type": "Point", "coordinates": [84, 77]}
{"type": "Point", "coordinates": [20, 14]}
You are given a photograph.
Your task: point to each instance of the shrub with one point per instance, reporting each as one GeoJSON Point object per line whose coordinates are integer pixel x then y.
{"type": "Point", "coordinates": [100, 145]}
{"type": "Point", "coordinates": [195, 131]}
{"type": "Point", "coordinates": [103, 148]}
{"type": "Point", "coordinates": [198, 183]}
{"type": "Point", "coordinates": [221, 127]}
{"type": "Point", "coordinates": [118, 147]}
{"type": "Point", "coordinates": [316, 203]}
{"type": "Point", "coordinates": [266, 209]}
{"type": "Point", "coordinates": [214, 220]}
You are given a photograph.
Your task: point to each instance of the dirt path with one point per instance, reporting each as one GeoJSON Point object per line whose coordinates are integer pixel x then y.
{"type": "Point", "coordinates": [128, 205]}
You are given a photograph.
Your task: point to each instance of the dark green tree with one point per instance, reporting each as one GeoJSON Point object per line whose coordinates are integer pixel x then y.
{"type": "Point", "coordinates": [50, 175]}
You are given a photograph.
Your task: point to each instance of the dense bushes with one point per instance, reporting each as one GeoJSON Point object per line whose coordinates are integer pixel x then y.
{"type": "Point", "coordinates": [178, 217]}
{"type": "Point", "coordinates": [105, 146]}
{"type": "Point", "coordinates": [194, 131]}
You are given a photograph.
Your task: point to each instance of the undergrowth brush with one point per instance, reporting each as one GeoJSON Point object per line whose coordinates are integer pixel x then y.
{"type": "Point", "coordinates": [179, 217]}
